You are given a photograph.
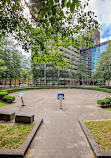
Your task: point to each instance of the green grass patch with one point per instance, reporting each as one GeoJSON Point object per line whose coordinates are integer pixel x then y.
{"type": "Point", "coordinates": [101, 131]}
{"type": "Point", "coordinates": [108, 109]}
{"type": "Point", "coordinates": [12, 136]}
{"type": "Point", "coordinates": [2, 104]}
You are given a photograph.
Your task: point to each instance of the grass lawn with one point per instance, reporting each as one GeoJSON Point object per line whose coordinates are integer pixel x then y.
{"type": "Point", "coordinates": [2, 104]}
{"type": "Point", "coordinates": [13, 135]}
{"type": "Point", "coordinates": [108, 109]}
{"type": "Point", "coordinates": [101, 131]}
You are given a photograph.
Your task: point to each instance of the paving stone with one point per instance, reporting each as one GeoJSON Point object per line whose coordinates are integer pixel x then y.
{"type": "Point", "coordinates": [60, 135]}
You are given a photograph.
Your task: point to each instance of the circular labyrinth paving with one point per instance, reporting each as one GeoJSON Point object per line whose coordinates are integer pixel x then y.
{"type": "Point", "coordinates": [60, 135]}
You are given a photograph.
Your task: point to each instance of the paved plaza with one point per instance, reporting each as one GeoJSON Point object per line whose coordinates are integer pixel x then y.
{"type": "Point", "coordinates": [60, 135]}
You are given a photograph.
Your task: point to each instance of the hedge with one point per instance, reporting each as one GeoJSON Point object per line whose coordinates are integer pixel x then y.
{"type": "Point", "coordinates": [2, 94]}
{"type": "Point", "coordinates": [74, 87]}
{"type": "Point", "coordinates": [103, 102]}
{"type": "Point", "coordinates": [8, 98]}
{"type": "Point", "coordinates": [109, 98]}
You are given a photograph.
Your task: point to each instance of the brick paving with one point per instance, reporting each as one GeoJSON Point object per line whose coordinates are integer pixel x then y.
{"type": "Point", "coordinates": [60, 135]}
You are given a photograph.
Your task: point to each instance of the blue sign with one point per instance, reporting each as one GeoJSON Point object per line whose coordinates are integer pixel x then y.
{"type": "Point", "coordinates": [60, 96]}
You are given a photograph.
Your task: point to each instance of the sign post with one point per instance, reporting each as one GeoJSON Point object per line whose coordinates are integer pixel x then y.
{"type": "Point", "coordinates": [60, 97]}
{"type": "Point", "coordinates": [20, 94]}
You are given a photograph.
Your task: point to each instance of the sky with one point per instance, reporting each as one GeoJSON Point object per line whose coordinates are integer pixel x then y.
{"type": "Point", "coordinates": [102, 9]}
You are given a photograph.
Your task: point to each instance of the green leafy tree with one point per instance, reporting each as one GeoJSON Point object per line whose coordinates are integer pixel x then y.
{"type": "Point", "coordinates": [61, 28]}
{"type": "Point", "coordinates": [12, 61]}
{"type": "Point", "coordinates": [103, 70]}
{"type": "Point", "coordinates": [2, 67]}
{"type": "Point", "coordinates": [37, 71]}
{"type": "Point", "coordinates": [54, 23]}
{"type": "Point", "coordinates": [29, 76]}
{"type": "Point", "coordinates": [80, 72]}
{"type": "Point", "coordinates": [12, 17]}
{"type": "Point", "coordinates": [23, 75]}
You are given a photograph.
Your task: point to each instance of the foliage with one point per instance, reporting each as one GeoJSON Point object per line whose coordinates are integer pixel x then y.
{"type": "Point", "coordinates": [2, 94]}
{"type": "Point", "coordinates": [108, 109]}
{"type": "Point", "coordinates": [13, 136]}
{"type": "Point", "coordinates": [23, 74]}
{"type": "Point", "coordinates": [109, 98]}
{"type": "Point", "coordinates": [8, 98]}
{"type": "Point", "coordinates": [73, 87]}
{"type": "Point", "coordinates": [103, 102]}
{"type": "Point", "coordinates": [80, 72]}
{"type": "Point", "coordinates": [101, 131]}
{"type": "Point", "coordinates": [53, 23]}
{"type": "Point", "coordinates": [2, 104]}
{"type": "Point", "coordinates": [12, 60]}
{"type": "Point", "coordinates": [12, 20]}
{"type": "Point", "coordinates": [2, 66]}
{"type": "Point", "coordinates": [103, 71]}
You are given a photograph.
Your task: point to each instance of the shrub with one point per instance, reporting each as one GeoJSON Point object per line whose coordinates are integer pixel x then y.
{"type": "Point", "coordinates": [101, 102]}
{"type": "Point", "coordinates": [2, 94]}
{"type": "Point", "coordinates": [104, 102]}
{"type": "Point", "coordinates": [73, 87]}
{"type": "Point", "coordinates": [109, 98]}
{"type": "Point", "coordinates": [8, 98]}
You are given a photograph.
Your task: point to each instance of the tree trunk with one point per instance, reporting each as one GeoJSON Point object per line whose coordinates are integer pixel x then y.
{"type": "Point", "coordinates": [108, 84]}
{"type": "Point", "coordinates": [15, 82]}
{"type": "Point", "coordinates": [4, 83]}
{"type": "Point", "coordinates": [10, 83]}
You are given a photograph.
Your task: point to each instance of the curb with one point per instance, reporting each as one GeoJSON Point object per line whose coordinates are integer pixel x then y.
{"type": "Point", "coordinates": [98, 153]}
{"type": "Point", "coordinates": [19, 153]}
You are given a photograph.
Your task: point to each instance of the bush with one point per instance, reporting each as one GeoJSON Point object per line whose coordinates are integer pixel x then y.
{"type": "Point", "coordinates": [73, 87]}
{"type": "Point", "coordinates": [2, 94]}
{"type": "Point", "coordinates": [109, 98]}
{"type": "Point", "coordinates": [104, 102]}
{"type": "Point", "coordinates": [8, 98]}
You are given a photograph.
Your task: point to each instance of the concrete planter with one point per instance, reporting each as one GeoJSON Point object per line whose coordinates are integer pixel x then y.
{"type": "Point", "coordinates": [19, 153]}
{"type": "Point", "coordinates": [98, 153]}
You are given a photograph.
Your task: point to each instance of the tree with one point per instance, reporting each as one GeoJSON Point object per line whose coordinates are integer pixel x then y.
{"type": "Point", "coordinates": [103, 70]}
{"type": "Point", "coordinates": [23, 75]}
{"type": "Point", "coordinates": [56, 27]}
{"type": "Point", "coordinates": [29, 76]}
{"type": "Point", "coordinates": [80, 73]}
{"type": "Point", "coordinates": [50, 28]}
{"type": "Point", "coordinates": [11, 17]}
{"type": "Point", "coordinates": [2, 67]}
{"type": "Point", "coordinates": [12, 61]}
{"type": "Point", "coordinates": [37, 72]}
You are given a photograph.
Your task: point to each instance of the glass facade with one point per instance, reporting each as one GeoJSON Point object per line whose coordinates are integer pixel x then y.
{"type": "Point", "coordinates": [92, 55]}
{"type": "Point", "coordinates": [96, 51]}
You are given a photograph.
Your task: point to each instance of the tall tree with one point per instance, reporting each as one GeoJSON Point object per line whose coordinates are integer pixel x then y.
{"type": "Point", "coordinates": [54, 23]}
{"type": "Point", "coordinates": [80, 73]}
{"type": "Point", "coordinates": [12, 61]}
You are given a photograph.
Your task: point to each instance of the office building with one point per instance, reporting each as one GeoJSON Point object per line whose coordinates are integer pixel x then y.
{"type": "Point", "coordinates": [92, 55]}
{"type": "Point", "coordinates": [49, 75]}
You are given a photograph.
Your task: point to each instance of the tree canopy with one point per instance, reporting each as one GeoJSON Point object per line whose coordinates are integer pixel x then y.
{"type": "Point", "coordinates": [11, 59]}
{"type": "Point", "coordinates": [52, 24]}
